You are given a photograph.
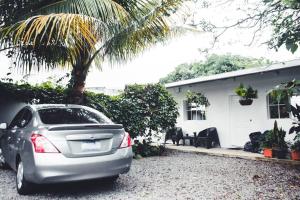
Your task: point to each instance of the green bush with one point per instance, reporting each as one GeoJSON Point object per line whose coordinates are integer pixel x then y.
{"type": "Point", "coordinates": [145, 149]}
{"type": "Point", "coordinates": [142, 109]}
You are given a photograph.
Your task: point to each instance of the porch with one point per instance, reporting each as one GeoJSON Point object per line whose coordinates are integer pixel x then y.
{"type": "Point", "coordinates": [232, 153]}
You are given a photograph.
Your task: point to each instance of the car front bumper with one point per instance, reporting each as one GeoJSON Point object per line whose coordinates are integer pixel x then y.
{"type": "Point", "coordinates": [55, 167]}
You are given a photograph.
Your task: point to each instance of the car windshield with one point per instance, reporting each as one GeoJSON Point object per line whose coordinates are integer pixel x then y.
{"type": "Point", "coordinates": [72, 116]}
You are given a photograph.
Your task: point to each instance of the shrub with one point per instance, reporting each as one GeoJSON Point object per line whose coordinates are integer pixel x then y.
{"type": "Point", "coordinates": [145, 149]}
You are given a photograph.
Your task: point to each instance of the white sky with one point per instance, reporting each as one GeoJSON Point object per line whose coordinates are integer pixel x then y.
{"type": "Point", "coordinates": [160, 60]}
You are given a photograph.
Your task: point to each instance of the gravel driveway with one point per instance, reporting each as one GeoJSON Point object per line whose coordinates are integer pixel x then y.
{"type": "Point", "coordinates": [178, 176]}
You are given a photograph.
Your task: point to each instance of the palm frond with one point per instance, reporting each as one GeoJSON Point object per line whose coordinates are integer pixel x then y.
{"type": "Point", "coordinates": [76, 32]}
{"type": "Point", "coordinates": [119, 29]}
{"type": "Point", "coordinates": [107, 11]}
{"type": "Point", "coordinates": [149, 29]}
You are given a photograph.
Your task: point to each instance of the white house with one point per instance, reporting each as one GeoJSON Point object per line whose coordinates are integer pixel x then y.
{"type": "Point", "coordinates": [233, 121]}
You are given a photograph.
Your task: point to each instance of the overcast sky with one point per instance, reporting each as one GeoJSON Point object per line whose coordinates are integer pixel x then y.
{"type": "Point", "coordinates": [161, 59]}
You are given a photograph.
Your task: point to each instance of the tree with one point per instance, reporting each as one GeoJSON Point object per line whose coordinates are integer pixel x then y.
{"type": "Point", "coordinates": [145, 109]}
{"type": "Point", "coordinates": [257, 17]}
{"type": "Point", "coordinates": [214, 64]}
{"type": "Point", "coordinates": [76, 33]}
{"type": "Point", "coordinates": [285, 17]}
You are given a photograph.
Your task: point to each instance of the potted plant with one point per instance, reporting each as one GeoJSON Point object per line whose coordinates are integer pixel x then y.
{"type": "Point", "coordinates": [273, 143]}
{"type": "Point", "coordinates": [279, 146]}
{"type": "Point", "coordinates": [295, 150]}
{"type": "Point", "coordinates": [247, 94]}
{"type": "Point", "coordinates": [266, 144]}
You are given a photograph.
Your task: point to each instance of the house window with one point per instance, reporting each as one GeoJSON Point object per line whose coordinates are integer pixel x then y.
{"type": "Point", "coordinates": [195, 112]}
{"type": "Point", "coordinates": [278, 109]}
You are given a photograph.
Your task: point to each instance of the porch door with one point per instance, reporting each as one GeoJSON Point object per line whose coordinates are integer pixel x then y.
{"type": "Point", "coordinates": [240, 122]}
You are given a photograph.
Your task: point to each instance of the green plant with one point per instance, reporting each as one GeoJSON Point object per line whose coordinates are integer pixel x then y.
{"type": "Point", "coordinates": [246, 93]}
{"type": "Point", "coordinates": [268, 140]}
{"type": "Point", "coordinates": [275, 138]}
{"type": "Point", "coordinates": [198, 98]}
{"type": "Point", "coordinates": [291, 88]}
{"type": "Point", "coordinates": [279, 136]}
{"type": "Point", "coordinates": [296, 145]}
{"type": "Point", "coordinates": [145, 149]}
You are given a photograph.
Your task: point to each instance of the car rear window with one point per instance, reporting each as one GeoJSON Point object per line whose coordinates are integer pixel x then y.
{"type": "Point", "coordinates": [72, 116]}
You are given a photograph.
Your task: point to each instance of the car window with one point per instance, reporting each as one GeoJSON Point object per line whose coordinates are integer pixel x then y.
{"type": "Point", "coordinates": [26, 118]}
{"type": "Point", "coordinates": [15, 122]}
{"type": "Point", "coordinates": [21, 119]}
{"type": "Point", "coordinates": [71, 116]}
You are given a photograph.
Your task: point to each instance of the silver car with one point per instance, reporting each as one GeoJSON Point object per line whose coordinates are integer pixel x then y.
{"type": "Point", "coordinates": [62, 143]}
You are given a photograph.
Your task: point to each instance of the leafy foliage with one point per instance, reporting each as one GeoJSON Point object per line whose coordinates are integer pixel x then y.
{"type": "Point", "coordinates": [145, 149]}
{"type": "Point", "coordinates": [267, 141]}
{"type": "Point", "coordinates": [246, 93]}
{"type": "Point", "coordinates": [141, 109]}
{"type": "Point", "coordinates": [144, 109]}
{"type": "Point", "coordinates": [279, 135]}
{"type": "Point", "coordinates": [296, 113]}
{"type": "Point", "coordinates": [289, 89]}
{"type": "Point", "coordinates": [198, 98]}
{"type": "Point", "coordinates": [214, 64]}
{"type": "Point", "coordinates": [296, 145]}
{"type": "Point", "coordinates": [275, 138]}
{"type": "Point", "coordinates": [33, 31]}
{"type": "Point", "coordinates": [284, 16]}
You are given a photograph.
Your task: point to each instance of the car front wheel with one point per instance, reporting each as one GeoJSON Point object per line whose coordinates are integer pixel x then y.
{"type": "Point", "coordinates": [23, 186]}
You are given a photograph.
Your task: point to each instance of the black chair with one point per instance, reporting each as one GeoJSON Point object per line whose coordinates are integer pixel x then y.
{"type": "Point", "coordinates": [254, 144]}
{"type": "Point", "coordinates": [207, 137]}
{"type": "Point", "coordinates": [175, 134]}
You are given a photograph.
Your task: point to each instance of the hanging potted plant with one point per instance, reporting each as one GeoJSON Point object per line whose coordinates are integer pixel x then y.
{"type": "Point", "coordinates": [247, 94]}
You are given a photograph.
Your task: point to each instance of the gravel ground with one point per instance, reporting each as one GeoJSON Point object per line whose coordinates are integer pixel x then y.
{"type": "Point", "coordinates": [178, 176]}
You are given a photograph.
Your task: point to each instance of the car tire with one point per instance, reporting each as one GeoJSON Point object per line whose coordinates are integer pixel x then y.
{"type": "Point", "coordinates": [23, 186]}
{"type": "Point", "coordinates": [112, 179]}
{"type": "Point", "coordinates": [3, 164]}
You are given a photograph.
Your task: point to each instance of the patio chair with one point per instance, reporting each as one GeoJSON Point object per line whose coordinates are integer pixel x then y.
{"type": "Point", "coordinates": [254, 144]}
{"type": "Point", "coordinates": [207, 137]}
{"type": "Point", "coordinates": [175, 134]}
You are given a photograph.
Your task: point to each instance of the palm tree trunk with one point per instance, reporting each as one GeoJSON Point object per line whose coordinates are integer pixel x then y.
{"type": "Point", "coordinates": [78, 77]}
{"type": "Point", "coordinates": [77, 85]}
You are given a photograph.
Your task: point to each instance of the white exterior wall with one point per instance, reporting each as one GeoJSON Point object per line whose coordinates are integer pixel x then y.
{"type": "Point", "coordinates": [233, 121]}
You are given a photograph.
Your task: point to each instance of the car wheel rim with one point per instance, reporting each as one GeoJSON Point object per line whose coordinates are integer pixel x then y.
{"type": "Point", "coordinates": [20, 175]}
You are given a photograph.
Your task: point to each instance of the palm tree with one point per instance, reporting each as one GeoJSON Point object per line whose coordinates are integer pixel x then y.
{"type": "Point", "coordinates": [76, 33]}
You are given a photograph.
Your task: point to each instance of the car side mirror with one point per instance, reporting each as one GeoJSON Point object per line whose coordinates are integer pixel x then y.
{"type": "Point", "coordinates": [3, 126]}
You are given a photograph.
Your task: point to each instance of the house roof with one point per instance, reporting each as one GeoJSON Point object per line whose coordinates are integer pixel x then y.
{"type": "Point", "coordinates": [238, 73]}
